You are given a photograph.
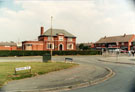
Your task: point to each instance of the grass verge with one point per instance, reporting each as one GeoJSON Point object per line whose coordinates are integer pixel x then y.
{"type": "Point", "coordinates": [7, 72]}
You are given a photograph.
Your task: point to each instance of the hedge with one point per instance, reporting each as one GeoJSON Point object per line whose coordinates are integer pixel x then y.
{"type": "Point", "coordinates": [40, 53]}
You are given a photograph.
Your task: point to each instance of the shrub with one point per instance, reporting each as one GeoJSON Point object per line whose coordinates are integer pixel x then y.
{"type": "Point", "coordinates": [41, 53]}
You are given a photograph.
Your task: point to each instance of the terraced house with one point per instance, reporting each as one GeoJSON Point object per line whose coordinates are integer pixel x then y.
{"type": "Point", "coordinates": [55, 39]}
{"type": "Point", "coordinates": [125, 42]}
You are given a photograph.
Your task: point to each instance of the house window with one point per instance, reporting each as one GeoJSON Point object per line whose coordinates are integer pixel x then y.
{"type": "Point", "coordinates": [69, 46]}
{"type": "Point", "coordinates": [50, 46]}
{"type": "Point", "coordinates": [28, 44]}
{"type": "Point", "coordinates": [122, 43]}
{"type": "Point", "coordinates": [7, 46]}
{"type": "Point", "coordinates": [133, 43]}
{"type": "Point", "coordinates": [70, 39]}
{"type": "Point", "coordinates": [49, 38]}
{"type": "Point", "coordinates": [60, 38]}
{"type": "Point", "coordinates": [103, 44]}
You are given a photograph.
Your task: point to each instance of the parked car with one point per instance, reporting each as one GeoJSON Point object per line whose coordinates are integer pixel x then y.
{"type": "Point", "coordinates": [123, 51]}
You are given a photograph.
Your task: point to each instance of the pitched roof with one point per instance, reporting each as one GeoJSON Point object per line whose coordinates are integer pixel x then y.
{"type": "Point", "coordinates": [55, 32]}
{"type": "Point", "coordinates": [122, 38]}
{"type": "Point", "coordinates": [8, 44]}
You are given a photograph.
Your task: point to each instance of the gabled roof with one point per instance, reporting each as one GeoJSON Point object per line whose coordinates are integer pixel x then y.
{"type": "Point", "coordinates": [55, 32]}
{"type": "Point", "coordinates": [122, 38]}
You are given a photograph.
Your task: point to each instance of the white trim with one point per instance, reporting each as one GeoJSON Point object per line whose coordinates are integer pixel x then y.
{"type": "Point", "coordinates": [49, 44]}
{"type": "Point", "coordinates": [49, 38]}
{"type": "Point", "coordinates": [7, 46]}
{"type": "Point", "coordinates": [69, 39]}
{"type": "Point", "coordinates": [59, 46]}
{"type": "Point", "coordinates": [61, 38]}
{"type": "Point", "coordinates": [71, 47]}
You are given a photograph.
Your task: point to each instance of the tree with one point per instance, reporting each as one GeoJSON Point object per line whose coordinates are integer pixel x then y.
{"type": "Point", "coordinates": [81, 46]}
{"type": "Point", "coordinates": [85, 47]}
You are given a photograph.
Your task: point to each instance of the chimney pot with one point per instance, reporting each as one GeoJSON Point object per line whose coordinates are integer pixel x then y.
{"type": "Point", "coordinates": [42, 31]}
{"type": "Point", "coordinates": [124, 35]}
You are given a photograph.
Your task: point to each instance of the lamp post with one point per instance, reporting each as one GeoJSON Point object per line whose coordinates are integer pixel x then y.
{"type": "Point", "coordinates": [105, 49]}
{"type": "Point", "coordinates": [51, 39]}
{"type": "Point", "coordinates": [117, 51]}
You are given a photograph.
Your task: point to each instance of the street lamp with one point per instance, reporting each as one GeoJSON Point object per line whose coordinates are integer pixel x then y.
{"type": "Point", "coordinates": [117, 51]}
{"type": "Point", "coordinates": [51, 39]}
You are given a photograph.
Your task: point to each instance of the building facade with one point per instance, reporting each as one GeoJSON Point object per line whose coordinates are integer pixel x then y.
{"type": "Point", "coordinates": [124, 42]}
{"type": "Point", "coordinates": [55, 39]}
{"type": "Point", "coordinates": [8, 46]}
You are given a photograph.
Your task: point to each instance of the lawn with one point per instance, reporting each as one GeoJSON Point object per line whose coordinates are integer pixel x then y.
{"type": "Point", "coordinates": [7, 69]}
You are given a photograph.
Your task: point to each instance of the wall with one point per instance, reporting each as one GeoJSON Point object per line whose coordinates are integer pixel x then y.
{"type": "Point", "coordinates": [8, 47]}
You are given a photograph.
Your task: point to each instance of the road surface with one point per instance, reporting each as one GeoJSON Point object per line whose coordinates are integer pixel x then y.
{"type": "Point", "coordinates": [123, 81]}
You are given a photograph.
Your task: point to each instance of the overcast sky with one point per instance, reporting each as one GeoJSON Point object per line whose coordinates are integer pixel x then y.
{"type": "Point", "coordinates": [88, 20]}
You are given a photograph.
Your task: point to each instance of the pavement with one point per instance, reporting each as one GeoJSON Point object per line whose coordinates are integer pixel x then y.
{"type": "Point", "coordinates": [60, 80]}
{"type": "Point", "coordinates": [21, 59]}
{"type": "Point", "coordinates": [119, 60]}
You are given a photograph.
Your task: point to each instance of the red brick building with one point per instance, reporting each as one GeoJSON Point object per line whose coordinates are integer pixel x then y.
{"type": "Point", "coordinates": [8, 46]}
{"type": "Point", "coordinates": [61, 40]}
{"type": "Point", "coordinates": [125, 42]}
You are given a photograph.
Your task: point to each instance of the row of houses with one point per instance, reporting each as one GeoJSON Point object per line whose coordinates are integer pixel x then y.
{"type": "Point", "coordinates": [62, 40]}
{"type": "Point", "coordinates": [10, 46]}
{"type": "Point", "coordinates": [124, 42]}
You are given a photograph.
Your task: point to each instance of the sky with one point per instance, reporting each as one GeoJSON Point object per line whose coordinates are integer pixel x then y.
{"type": "Point", "coordinates": [88, 20]}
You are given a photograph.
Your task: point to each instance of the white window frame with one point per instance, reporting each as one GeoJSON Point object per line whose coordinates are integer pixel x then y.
{"type": "Point", "coordinates": [7, 46]}
{"type": "Point", "coordinates": [122, 43]}
{"type": "Point", "coordinates": [70, 39]}
{"type": "Point", "coordinates": [71, 47]}
{"type": "Point", "coordinates": [48, 45]}
{"type": "Point", "coordinates": [49, 38]}
{"type": "Point", "coordinates": [61, 38]}
{"type": "Point", "coordinates": [28, 44]}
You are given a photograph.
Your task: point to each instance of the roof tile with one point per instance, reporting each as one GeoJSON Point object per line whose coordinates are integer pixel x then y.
{"type": "Point", "coordinates": [55, 32]}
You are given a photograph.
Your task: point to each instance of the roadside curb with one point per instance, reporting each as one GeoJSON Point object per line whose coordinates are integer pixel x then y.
{"type": "Point", "coordinates": [108, 61]}
{"type": "Point", "coordinates": [75, 86]}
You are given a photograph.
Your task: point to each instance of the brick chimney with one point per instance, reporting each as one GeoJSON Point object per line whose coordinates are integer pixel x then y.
{"type": "Point", "coordinates": [42, 31]}
{"type": "Point", "coordinates": [124, 35]}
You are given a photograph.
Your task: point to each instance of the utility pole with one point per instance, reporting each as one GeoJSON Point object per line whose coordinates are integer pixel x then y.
{"type": "Point", "coordinates": [51, 39]}
{"type": "Point", "coordinates": [117, 52]}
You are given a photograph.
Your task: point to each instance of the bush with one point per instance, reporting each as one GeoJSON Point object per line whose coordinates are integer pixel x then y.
{"type": "Point", "coordinates": [41, 53]}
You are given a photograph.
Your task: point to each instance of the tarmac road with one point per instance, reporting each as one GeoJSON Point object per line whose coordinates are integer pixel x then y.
{"type": "Point", "coordinates": [123, 81]}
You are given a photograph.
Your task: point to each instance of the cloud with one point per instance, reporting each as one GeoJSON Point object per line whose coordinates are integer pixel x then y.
{"type": "Point", "coordinates": [88, 20]}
